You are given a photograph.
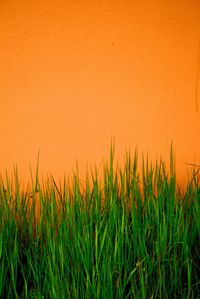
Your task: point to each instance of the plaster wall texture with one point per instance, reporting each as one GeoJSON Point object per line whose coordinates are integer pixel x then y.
{"type": "Point", "coordinates": [74, 74]}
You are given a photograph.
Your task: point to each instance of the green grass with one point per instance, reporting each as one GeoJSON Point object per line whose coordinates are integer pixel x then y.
{"type": "Point", "coordinates": [132, 234]}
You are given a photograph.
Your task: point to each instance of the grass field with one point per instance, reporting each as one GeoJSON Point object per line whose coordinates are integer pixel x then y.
{"type": "Point", "coordinates": [132, 234]}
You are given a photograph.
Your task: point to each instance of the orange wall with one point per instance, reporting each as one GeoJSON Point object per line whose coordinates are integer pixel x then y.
{"type": "Point", "coordinates": [73, 74]}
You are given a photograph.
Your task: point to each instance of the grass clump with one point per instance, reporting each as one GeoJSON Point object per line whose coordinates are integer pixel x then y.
{"type": "Point", "coordinates": [133, 234]}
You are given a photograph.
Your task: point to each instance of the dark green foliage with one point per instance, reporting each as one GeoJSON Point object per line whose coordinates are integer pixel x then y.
{"type": "Point", "coordinates": [131, 235]}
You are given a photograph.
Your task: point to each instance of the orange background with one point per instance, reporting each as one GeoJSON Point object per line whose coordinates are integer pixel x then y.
{"type": "Point", "coordinates": [74, 74]}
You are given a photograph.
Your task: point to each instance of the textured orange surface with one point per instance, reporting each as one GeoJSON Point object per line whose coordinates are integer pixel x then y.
{"type": "Point", "coordinates": [73, 74]}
